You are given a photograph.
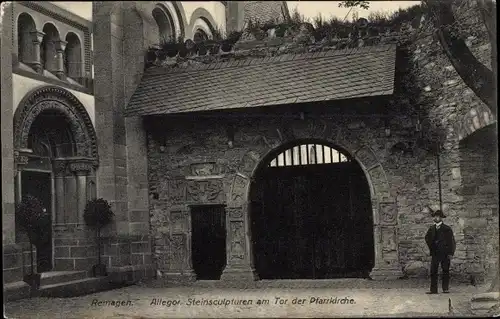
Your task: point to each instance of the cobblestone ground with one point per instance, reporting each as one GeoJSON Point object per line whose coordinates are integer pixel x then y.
{"type": "Point", "coordinates": [145, 301]}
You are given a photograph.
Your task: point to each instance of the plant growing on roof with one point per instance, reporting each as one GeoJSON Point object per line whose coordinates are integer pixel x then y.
{"type": "Point", "coordinates": [217, 34]}
{"type": "Point", "coordinates": [98, 214]}
{"type": "Point", "coordinates": [30, 216]}
{"type": "Point", "coordinates": [171, 46]}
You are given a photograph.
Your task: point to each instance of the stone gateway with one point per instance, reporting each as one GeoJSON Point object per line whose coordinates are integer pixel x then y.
{"type": "Point", "coordinates": [267, 154]}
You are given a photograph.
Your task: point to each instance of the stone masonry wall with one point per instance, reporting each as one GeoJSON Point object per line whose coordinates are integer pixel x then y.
{"type": "Point", "coordinates": [184, 144]}
{"type": "Point", "coordinates": [470, 183]}
{"type": "Point", "coordinates": [479, 164]}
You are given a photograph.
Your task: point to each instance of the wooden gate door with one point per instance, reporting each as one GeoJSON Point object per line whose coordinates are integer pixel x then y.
{"type": "Point", "coordinates": [313, 222]}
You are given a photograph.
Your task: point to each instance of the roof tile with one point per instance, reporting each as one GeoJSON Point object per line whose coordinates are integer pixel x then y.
{"type": "Point", "coordinates": [340, 74]}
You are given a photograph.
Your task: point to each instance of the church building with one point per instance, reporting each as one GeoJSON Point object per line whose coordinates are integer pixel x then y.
{"type": "Point", "coordinates": [276, 156]}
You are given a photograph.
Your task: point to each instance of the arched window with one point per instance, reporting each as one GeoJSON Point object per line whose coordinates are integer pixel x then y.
{"type": "Point", "coordinates": [48, 47]}
{"type": "Point", "coordinates": [166, 29]}
{"type": "Point", "coordinates": [73, 56]}
{"type": "Point", "coordinates": [200, 36]}
{"type": "Point", "coordinates": [309, 154]}
{"type": "Point", "coordinates": [25, 36]}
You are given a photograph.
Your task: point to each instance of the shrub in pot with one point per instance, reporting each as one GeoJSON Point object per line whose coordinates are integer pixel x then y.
{"type": "Point", "coordinates": [98, 214]}
{"type": "Point", "coordinates": [31, 216]}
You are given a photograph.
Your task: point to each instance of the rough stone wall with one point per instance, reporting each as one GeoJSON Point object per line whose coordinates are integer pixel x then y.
{"type": "Point", "coordinates": [469, 181]}
{"type": "Point", "coordinates": [173, 153]}
{"type": "Point", "coordinates": [479, 170]}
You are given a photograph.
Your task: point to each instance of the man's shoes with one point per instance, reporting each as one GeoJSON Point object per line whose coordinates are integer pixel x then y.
{"type": "Point", "coordinates": [432, 292]}
{"type": "Point", "coordinates": [446, 291]}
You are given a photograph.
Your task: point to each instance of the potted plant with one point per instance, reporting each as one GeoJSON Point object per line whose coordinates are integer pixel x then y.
{"type": "Point", "coordinates": [98, 214]}
{"type": "Point", "coordinates": [30, 214]}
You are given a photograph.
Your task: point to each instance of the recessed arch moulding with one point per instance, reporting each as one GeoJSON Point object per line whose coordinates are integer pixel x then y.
{"type": "Point", "coordinates": [53, 98]}
{"type": "Point", "coordinates": [172, 10]}
{"type": "Point", "coordinates": [198, 167]}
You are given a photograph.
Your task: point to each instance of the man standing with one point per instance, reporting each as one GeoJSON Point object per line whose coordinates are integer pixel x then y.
{"type": "Point", "coordinates": [441, 243]}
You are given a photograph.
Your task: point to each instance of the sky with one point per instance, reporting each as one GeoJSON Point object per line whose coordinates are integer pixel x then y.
{"type": "Point", "coordinates": [310, 9]}
{"type": "Point", "coordinates": [327, 9]}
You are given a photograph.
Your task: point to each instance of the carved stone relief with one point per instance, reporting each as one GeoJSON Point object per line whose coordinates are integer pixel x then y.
{"type": "Point", "coordinates": [389, 239]}
{"type": "Point", "coordinates": [366, 156]}
{"type": "Point", "coordinates": [249, 162]}
{"type": "Point", "coordinates": [205, 191]}
{"type": "Point", "coordinates": [237, 241]}
{"type": "Point", "coordinates": [204, 169]}
{"type": "Point", "coordinates": [235, 212]}
{"type": "Point", "coordinates": [178, 221]}
{"type": "Point", "coordinates": [178, 247]}
{"type": "Point", "coordinates": [379, 181]}
{"type": "Point", "coordinates": [388, 213]}
{"type": "Point", "coordinates": [238, 190]}
{"type": "Point", "coordinates": [177, 190]}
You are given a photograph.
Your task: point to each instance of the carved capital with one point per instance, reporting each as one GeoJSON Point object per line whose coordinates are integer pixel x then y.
{"type": "Point", "coordinates": [81, 166]}
{"type": "Point", "coordinates": [60, 167]}
{"type": "Point", "coordinates": [60, 46]}
{"type": "Point", "coordinates": [21, 158]}
{"type": "Point", "coordinates": [37, 36]}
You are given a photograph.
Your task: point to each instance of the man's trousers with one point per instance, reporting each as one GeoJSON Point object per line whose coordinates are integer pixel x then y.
{"type": "Point", "coordinates": [445, 265]}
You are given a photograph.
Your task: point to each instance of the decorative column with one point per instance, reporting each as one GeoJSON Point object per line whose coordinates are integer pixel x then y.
{"type": "Point", "coordinates": [81, 168]}
{"type": "Point", "coordinates": [60, 166]}
{"type": "Point", "coordinates": [60, 47]}
{"type": "Point", "coordinates": [181, 266]}
{"type": "Point", "coordinates": [239, 257]}
{"type": "Point", "coordinates": [387, 264]}
{"type": "Point", "coordinates": [36, 62]}
{"type": "Point", "coordinates": [20, 160]}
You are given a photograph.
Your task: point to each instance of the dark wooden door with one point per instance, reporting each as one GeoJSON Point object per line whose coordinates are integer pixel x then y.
{"type": "Point", "coordinates": [313, 222]}
{"type": "Point", "coordinates": [38, 184]}
{"type": "Point", "coordinates": [208, 241]}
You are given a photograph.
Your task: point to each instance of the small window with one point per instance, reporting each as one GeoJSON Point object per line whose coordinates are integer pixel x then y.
{"type": "Point", "coordinates": [309, 154]}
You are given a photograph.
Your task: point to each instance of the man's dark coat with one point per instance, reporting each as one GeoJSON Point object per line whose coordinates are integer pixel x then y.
{"type": "Point", "coordinates": [440, 242]}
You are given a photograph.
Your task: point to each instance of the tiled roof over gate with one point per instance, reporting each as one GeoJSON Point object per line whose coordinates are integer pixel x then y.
{"type": "Point", "coordinates": [253, 82]}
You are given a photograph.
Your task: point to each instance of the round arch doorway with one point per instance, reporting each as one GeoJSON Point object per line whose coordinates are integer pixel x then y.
{"type": "Point", "coordinates": [49, 138]}
{"type": "Point", "coordinates": [311, 214]}
{"type": "Point", "coordinates": [55, 148]}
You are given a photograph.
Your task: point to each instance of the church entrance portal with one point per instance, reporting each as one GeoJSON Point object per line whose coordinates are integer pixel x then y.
{"type": "Point", "coordinates": [208, 241]}
{"type": "Point", "coordinates": [311, 216]}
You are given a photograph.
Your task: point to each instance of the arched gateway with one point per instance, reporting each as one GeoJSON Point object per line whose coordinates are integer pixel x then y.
{"type": "Point", "coordinates": [311, 214]}
{"type": "Point", "coordinates": [246, 251]}
{"type": "Point", "coordinates": [56, 156]}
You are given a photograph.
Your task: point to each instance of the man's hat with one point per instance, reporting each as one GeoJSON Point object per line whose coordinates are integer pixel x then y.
{"type": "Point", "coordinates": [438, 213]}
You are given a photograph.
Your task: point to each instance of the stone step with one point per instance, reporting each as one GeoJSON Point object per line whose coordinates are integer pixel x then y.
{"type": "Point", "coordinates": [57, 277]}
{"type": "Point", "coordinates": [75, 288]}
{"type": "Point", "coordinates": [484, 303]}
{"type": "Point", "coordinates": [16, 290]}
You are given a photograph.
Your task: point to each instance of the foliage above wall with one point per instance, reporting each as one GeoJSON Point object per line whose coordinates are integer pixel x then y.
{"type": "Point", "coordinates": [293, 36]}
{"type": "Point", "coordinates": [416, 83]}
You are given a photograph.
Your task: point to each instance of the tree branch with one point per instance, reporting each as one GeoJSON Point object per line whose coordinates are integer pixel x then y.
{"type": "Point", "coordinates": [475, 74]}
